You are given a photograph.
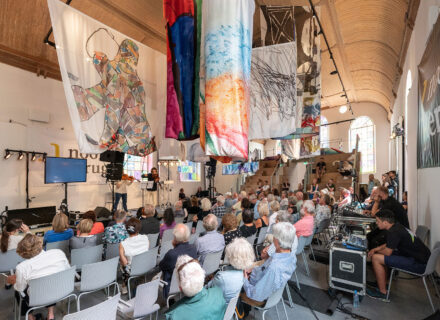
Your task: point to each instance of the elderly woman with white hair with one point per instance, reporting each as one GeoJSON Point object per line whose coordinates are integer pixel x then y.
{"type": "Point", "coordinates": [205, 206]}
{"type": "Point", "coordinates": [179, 211]}
{"type": "Point", "coordinates": [211, 241]}
{"type": "Point", "coordinates": [199, 303]}
{"type": "Point", "coordinates": [304, 226]}
{"type": "Point", "coordinates": [240, 256]}
{"type": "Point", "coordinates": [261, 282]}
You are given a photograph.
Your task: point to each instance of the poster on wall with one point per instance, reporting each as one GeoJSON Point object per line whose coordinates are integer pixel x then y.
{"type": "Point", "coordinates": [115, 87]}
{"type": "Point", "coordinates": [273, 91]}
{"type": "Point", "coordinates": [281, 24]}
{"type": "Point", "coordinates": [428, 137]}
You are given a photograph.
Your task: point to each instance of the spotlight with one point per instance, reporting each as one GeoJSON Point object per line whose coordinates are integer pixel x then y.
{"type": "Point", "coordinates": [7, 154]}
{"type": "Point", "coordinates": [334, 72]}
{"type": "Point", "coordinates": [343, 109]}
{"type": "Point", "coordinates": [159, 163]}
{"type": "Point", "coordinates": [34, 156]}
{"type": "Point", "coordinates": [172, 164]}
{"type": "Point", "coordinates": [343, 96]}
{"type": "Point", "coordinates": [20, 155]}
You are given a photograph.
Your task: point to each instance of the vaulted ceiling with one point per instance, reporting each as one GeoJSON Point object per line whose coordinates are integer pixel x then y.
{"type": "Point", "coordinates": [369, 39]}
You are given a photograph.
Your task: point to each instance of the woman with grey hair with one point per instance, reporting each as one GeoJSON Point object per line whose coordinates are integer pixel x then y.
{"type": "Point", "coordinates": [240, 256]}
{"type": "Point", "coordinates": [304, 226]}
{"type": "Point", "coordinates": [199, 303]}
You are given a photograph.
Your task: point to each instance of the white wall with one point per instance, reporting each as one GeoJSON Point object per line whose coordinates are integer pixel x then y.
{"type": "Point", "coordinates": [20, 92]}
{"type": "Point", "coordinates": [422, 185]}
{"type": "Point", "coordinates": [339, 133]}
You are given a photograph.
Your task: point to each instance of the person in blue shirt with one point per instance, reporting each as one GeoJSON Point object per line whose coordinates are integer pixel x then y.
{"type": "Point", "coordinates": [61, 230]}
{"type": "Point", "coordinates": [261, 282]}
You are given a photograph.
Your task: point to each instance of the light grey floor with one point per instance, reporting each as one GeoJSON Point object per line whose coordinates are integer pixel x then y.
{"type": "Point", "coordinates": [408, 300]}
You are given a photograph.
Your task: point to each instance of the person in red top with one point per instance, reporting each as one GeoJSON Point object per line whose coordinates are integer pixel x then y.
{"type": "Point", "coordinates": [98, 227]}
{"type": "Point", "coordinates": [304, 226]}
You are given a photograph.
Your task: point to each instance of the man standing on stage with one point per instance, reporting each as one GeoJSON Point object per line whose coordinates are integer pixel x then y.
{"type": "Point", "coordinates": [153, 180]}
{"type": "Point", "coordinates": [121, 192]}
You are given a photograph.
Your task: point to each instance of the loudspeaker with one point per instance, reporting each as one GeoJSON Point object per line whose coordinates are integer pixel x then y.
{"type": "Point", "coordinates": [112, 156]}
{"type": "Point", "coordinates": [212, 166]}
{"type": "Point", "coordinates": [102, 212]}
{"type": "Point", "coordinates": [114, 171]}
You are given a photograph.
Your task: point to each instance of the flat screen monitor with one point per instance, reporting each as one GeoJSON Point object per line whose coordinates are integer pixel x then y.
{"type": "Point", "coordinates": [65, 170]}
{"type": "Point", "coordinates": [33, 216]}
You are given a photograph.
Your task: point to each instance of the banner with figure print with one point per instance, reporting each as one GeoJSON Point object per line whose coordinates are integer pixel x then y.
{"type": "Point", "coordinates": [225, 73]}
{"type": "Point", "coordinates": [428, 137]}
{"type": "Point", "coordinates": [238, 168]}
{"type": "Point", "coordinates": [114, 85]}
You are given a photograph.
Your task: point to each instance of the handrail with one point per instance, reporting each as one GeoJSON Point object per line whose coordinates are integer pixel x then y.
{"type": "Point", "coordinates": [275, 172]}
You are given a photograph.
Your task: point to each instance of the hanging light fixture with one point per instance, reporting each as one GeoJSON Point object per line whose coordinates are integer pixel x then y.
{"type": "Point", "coordinates": [20, 155]}
{"type": "Point", "coordinates": [334, 72]}
{"type": "Point", "coordinates": [343, 109]}
{"type": "Point", "coordinates": [34, 156]}
{"type": "Point", "coordinates": [7, 154]}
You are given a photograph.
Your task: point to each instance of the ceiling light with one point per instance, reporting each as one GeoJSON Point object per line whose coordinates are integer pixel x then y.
{"type": "Point", "coordinates": [343, 96]}
{"type": "Point", "coordinates": [334, 72]}
{"type": "Point", "coordinates": [343, 109]}
{"type": "Point", "coordinates": [20, 155]}
{"type": "Point", "coordinates": [7, 154]}
{"type": "Point", "coordinates": [34, 156]}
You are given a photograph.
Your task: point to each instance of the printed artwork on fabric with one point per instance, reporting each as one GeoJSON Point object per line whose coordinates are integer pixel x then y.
{"type": "Point", "coordinates": [273, 91]}
{"type": "Point", "coordinates": [183, 46]}
{"type": "Point", "coordinates": [225, 77]}
{"type": "Point", "coordinates": [238, 168]}
{"type": "Point", "coordinates": [114, 85]}
{"type": "Point", "coordinates": [280, 25]}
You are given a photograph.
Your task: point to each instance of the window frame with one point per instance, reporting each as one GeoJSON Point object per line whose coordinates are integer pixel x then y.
{"type": "Point", "coordinates": [352, 143]}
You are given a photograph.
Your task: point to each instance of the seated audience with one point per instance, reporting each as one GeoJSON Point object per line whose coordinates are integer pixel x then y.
{"type": "Point", "coordinates": [194, 209]}
{"type": "Point", "coordinates": [346, 198]}
{"type": "Point", "coordinates": [135, 244]}
{"type": "Point", "coordinates": [323, 210]}
{"type": "Point", "coordinates": [84, 238]}
{"type": "Point", "coordinates": [229, 201]}
{"type": "Point", "coordinates": [199, 192]}
{"type": "Point", "coordinates": [261, 282]}
{"type": "Point", "coordinates": [182, 194]}
{"type": "Point", "coordinates": [369, 202]}
{"type": "Point", "coordinates": [240, 256]}
{"type": "Point", "coordinates": [150, 225]}
{"type": "Point", "coordinates": [299, 200]}
{"type": "Point", "coordinates": [404, 202]}
{"type": "Point", "coordinates": [266, 186]}
{"type": "Point", "coordinates": [248, 228]}
{"type": "Point", "coordinates": [179, 211]}
{"type": "Point", "coordinates": [384, 201]}
{"type": "Point", "coordinates": [269, 247]}
{"type": "Point", "coordinates": [181, 246]}
{"type": "Point", "coordinates": [219, 209]}
{"type": "Point", "coordinates": [284, 202]}
{"type": "Point", "coordinates": [237, 206]}
{"type": "Point", "coordinates": [372, 183]}
{"type": "Point", "coordinates": [402, 250]}
{"type": "Point", "coordinates": [10, 237]}
{"type": "Point", "coordinates": [263, 211]}
{"type": "Point", "coordinates": [230, 230]}
{"type": "Point", "coordinates": [199, 303]}
{"type": "Point", "coordinates": [304, 226]}
{"type": "Point", "coordinates": [39, 263]}
{"type": "Point", "coordinates": [245, 204]}
{"type": "Point", "coordinates": [117, 232]}
{"type": "Point", "coordinates": [209, 241]}
{"type": "Point", "coordinates": [206, 206]}
{"type": "Point", "coordinates": [168, 222]}
{"type": "Point", "coordinates": [98, 227]}
{"type": "Point", "coordinates": [314, 187]}
{"type": "Point", "coordinates": [275, 208]}
{"type": "Point", "coordinates": [331, 186]}
{"type": "Point", "coordinates": [60, 231]}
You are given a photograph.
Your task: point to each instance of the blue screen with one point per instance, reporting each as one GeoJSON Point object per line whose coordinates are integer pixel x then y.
{"type": "Point", "coordinates": [61, 170]}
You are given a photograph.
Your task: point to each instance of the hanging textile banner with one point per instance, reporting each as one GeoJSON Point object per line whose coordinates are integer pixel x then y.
{"type": "Point", "coordinates": [225, 77]}
{"type": "Point", "coordinates": [238, 168]}
{"type": "Point", "coordinates": [278, 25]}
{"type": "Point", "coordinates": [183, 46]}
{"type": "Point", "coordinates": [114, 85]}
{"type": "Point", "coordinates": [273, 91]}
{"type": "Point", "coordinates": [428, 137]}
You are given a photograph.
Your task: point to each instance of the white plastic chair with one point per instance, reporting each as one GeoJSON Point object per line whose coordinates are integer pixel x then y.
{"type": "Point", "coordinates": [82, 256]}
{"type": "Point", "coordinates": [251, 239]}
{"type": "Point", "coordinates": [105, 310]}
{"type": "Point", "coordinates": [308, 244]}
{"type": "Point", "coordinates": [152, 239]}
{"type": "Point", "coordinates": [9, 261]}
{"type": "Point", "coordinates": [422, 233]}
{"type": "Point", "coordinates": [61, 286]}
{"type": "Point", "coordinates": [189, 225]}
{"type": "Point", "coordinates": [211, 262]}
{"type": "Point", "coordinates": [164, 248]}
{"type": "Point", "coordinates": [62, 245]}
{"type": "Point", "coordinates": [97, 276]}
{"type": "Point", "coordinates": [141, 264]}
{"type": "Point", "coordinates": [230, 310]}
{"type": "Point", "coordinates": [167, 235]}
{"type": "Point", "coordinates": [200, 228]}
{"type": "Point", "coordinates": [193, 238]}
{"type": "Point", "coordinates": [300, 251]}
{"type": "Point", "coordinates": [262, 235]}
{"type": "Point", "coordinates": [429, 271]}
{"type": "Point", "coordinates": [174, 287]}
{"type": "Point", "coordinates": [111, 250]}
{"type": "Point", "coordinates": [143, 304]}
{"type": "Point", "coordinates": [273, 301]}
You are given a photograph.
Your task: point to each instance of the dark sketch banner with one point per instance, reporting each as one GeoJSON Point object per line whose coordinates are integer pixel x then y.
{"type": "Point", "coordinates": [273, 91]}
{"type": "Point", "coordinates": [428, 139]}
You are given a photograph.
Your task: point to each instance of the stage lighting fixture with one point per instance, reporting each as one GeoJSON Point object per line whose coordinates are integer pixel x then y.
{"type": "Point", "coordinates": [343, 96]}
{"type": "Point", "coordinates": [334, 72]}
{"type": "Point", "coordinates": [7, 154]}
{"type": "Point", "coordinates": [34, 156]}
{"type": "Point", "coordinates": [343, 109]}
{"type": "Point", "coordinates": [20, 155]}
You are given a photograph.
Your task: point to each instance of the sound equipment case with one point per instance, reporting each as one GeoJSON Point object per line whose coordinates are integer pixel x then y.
{"type": "Point", "coordinates": [347, 269]}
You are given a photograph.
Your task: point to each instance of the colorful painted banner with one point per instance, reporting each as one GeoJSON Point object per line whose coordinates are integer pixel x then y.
{"type": "Point", "coordinates": [273, 91]}
{"type": "Point", "coordinates": [112, 83]}
{"type": "Point", "coordinates": [428, 137]}
{"type": "Point", "coordinates": [225, 77]}
{"type": "Point", "coordinates": [182, 121]}
{"type": "Point", "coordinates": [238, 168]}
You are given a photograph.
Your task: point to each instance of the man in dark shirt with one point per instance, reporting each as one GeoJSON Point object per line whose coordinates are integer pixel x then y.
{"type": "Point", "coordinates": [402, 250]}
{"type": "Point", "coordinates": [181, 247]}
{"type": "Point", "coordinates": [384, 202]}
{"type": "Point", "coordinates": [150, 225]}
{"type": "Point", "coordinates": [321, 167]}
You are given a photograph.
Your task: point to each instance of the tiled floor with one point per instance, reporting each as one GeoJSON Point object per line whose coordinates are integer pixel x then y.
{"type": "Point", "coordinates": [408, 300]}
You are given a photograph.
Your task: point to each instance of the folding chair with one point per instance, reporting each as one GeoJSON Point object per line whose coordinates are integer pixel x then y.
{"type": "Point", "coordinates": [104, 310]}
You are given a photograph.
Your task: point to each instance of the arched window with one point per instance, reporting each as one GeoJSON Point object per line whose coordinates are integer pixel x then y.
{"type": "Point", "coordinates": [364, 127]}
{"type": "Point", "coordinates": [324, 133]}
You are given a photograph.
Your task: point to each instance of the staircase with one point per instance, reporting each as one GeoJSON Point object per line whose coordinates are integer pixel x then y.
{"type": "Point", "coordinates": [265, 172]}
